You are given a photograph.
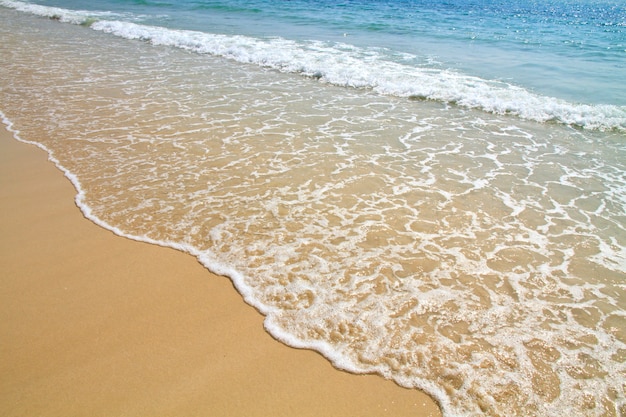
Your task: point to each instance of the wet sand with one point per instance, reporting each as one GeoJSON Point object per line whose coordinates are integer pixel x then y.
{"type": "Point", "coordinates": [92, 324]}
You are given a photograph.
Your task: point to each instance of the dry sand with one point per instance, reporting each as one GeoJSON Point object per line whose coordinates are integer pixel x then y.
{"type": "Point", "coordinates": [92, 324]}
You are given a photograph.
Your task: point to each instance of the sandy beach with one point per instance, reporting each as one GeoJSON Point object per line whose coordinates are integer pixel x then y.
{"type": "Point", "coordinates": [92, 324]}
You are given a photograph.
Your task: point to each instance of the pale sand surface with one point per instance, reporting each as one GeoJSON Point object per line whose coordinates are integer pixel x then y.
{"type": "Point", "coordinates": [92, 324]}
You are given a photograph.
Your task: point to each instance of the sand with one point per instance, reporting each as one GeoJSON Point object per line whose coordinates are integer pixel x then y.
{"type": "Point", "coordinates": [92, 324]}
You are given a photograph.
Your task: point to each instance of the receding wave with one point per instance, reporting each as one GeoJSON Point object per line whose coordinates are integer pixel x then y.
{"type": "Point", "coordinates": [346, 65]}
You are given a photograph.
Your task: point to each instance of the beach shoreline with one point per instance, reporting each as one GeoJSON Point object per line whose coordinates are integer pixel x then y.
{"type": "Point", "coordinates": [96, 324]}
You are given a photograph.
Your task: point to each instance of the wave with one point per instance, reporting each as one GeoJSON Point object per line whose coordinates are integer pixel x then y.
{"type": "Point", "coordinates": [77, 17]}
{"type": "Point", "coordinates": [345, 65]}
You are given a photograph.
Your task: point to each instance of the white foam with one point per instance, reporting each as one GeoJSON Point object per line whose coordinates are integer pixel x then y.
{"type": "Point", "coordinates": [75, 17]}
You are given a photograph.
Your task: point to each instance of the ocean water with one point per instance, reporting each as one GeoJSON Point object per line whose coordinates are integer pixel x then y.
{"type": "Point", "coordinates": [431, 191]}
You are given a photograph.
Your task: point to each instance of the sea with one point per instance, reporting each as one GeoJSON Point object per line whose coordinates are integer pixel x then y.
{"type": "Point", "coordinates": [430, 190]}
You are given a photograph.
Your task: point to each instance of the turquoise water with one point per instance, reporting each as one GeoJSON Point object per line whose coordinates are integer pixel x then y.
{"type": "Point", "coordinates": [431, 191]}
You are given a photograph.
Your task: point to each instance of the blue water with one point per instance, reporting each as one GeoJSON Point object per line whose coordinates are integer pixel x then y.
{"type": "Point", "coordinates": [569, 50]}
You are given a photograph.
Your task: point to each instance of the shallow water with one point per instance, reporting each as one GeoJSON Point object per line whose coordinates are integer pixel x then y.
{"type": "Point", "coordinates": [479, 257]}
